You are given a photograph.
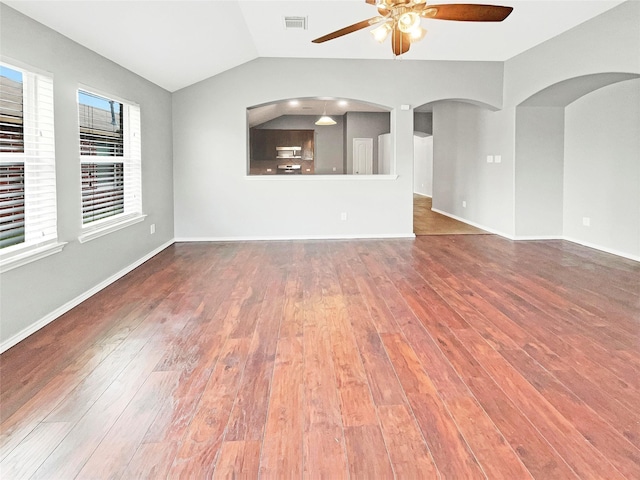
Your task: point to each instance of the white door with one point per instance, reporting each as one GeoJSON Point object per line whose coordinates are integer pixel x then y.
{"type": "Point", "coordinates": [423, 165]}
{"type": "Point", "coordinates": [362, 156]}
{"type": "Point", "coordinates": [384, 154]}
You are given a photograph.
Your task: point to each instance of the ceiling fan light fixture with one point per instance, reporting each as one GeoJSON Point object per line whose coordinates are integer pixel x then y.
{"type": "Point", "coordinates": [408, 22]}
{"type": "Point", "coordinates": [418, 34]}
{"type": "Point", "coordinates": [381, 33]}
{"type": "Point", "coordinates": [402, 19]}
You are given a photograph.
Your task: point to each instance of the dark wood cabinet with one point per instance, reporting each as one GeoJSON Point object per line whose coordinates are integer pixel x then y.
{"type": "Point", "coordinates": [263, 142]}
{"type": "Point", "coordinates": [263, 153]}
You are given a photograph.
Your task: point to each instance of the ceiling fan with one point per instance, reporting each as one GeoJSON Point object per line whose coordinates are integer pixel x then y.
{"type": "Point", "coordinates": [402, 19]}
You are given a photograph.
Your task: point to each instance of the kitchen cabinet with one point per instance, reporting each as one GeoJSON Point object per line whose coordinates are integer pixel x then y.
{"type": "Point", "coordinates": [263, 143]}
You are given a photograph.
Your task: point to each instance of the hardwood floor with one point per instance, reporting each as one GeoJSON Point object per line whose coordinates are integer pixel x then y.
{"type": "Point", "coordinates": [453, 357]}
{"type": "Point", "coordinates": [428, 222]}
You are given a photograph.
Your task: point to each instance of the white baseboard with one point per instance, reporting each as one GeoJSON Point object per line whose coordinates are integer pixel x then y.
{"type": "Point", "coordinates": [50, 317]}
{"type": "Point", "coordinates": [542, 237]}
{"type": "Point", "coordinates": [579, 242]}
{"type": "Point", "coordinates": [422, 194]}
{"type": "Point", "coordinates": [295, 237]}
{"type": "Point", "coordinates": [603, 249]}
{"type": "Point", "coordinates": [474, 224]}
{"type": "Point", "coordinates": [538, 237]}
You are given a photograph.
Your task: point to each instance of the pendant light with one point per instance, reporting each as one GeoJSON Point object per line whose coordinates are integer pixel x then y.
{"type": "Point", "coordinates": [325, 119]}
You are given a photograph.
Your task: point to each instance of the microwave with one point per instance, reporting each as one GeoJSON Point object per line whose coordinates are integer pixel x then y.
{"type": "Point", "coordinates": [288, 152]}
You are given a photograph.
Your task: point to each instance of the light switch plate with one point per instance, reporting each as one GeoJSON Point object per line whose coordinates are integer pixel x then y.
{"type": "Point", "coordinates": [489, 158]}
{"type": "Point", "coordinates": [497, 158]}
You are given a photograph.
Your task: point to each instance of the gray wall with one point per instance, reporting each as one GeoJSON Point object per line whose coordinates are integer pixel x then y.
{"type": "Point", "coordinates": [215, 199]}
{"type": "Point", "coordinates": [463, 136]}
{"type": "Point", "coordinates": [607, 43]}
{"type": "Point", "coordinates": [365, 125]}
{"type": "Point", "coordinates": [328, 139]}
{"type": "Point", "coordinates": [423, 122]}
{"type": "Point", "coordinates": [503, 196]}
{"type": "Point", "coordinates": [31, 292]}
{"type": "Point", "coordinates": [602, 168]}
{"type": "Point", "coordinates": [538, 182]}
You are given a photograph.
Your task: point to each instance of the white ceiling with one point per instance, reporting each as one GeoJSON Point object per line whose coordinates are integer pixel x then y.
{"type": "Point", "coordinates": [308, 106]}
{"type": "Point", "coordinates": [175, 43]}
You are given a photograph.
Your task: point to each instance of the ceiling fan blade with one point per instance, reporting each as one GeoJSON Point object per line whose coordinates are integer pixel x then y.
{"type": "Point", "coordinates": [466, 12]}
{"type": "Point", "coordinates": [350, 29]}
{"type": "Point", "coordinates": [400, 41]}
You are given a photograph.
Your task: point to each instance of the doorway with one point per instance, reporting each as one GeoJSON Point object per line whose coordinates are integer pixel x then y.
{"type": "Point", "coordinates": [428, 222]}
{"type": "Point", "coordinates": [425, 220]}
{"type": "Point", "coordinates": [363, 156]}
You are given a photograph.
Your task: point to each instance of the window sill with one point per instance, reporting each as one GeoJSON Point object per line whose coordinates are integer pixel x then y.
{"type": "Point", "coordinates": [93, 232]}
{"type": "Point", "coordinates": [20, 258]}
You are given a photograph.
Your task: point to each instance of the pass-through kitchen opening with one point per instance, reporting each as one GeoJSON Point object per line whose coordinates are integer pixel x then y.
{"type": "Point", "coordinates": [319, 136]}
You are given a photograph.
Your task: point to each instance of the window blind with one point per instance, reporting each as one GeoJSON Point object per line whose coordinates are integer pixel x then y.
{"type": "Point", "coordinates": [28, 212]}
{"type": "Point", "coordinates": [110, 157]}
{"type": "Point", "coordinates": [133, 161]}
{"type": "Point", "coordinates": [11, 204]}
{"type": "Point", "coordinates": [40, 167]}
{"type": "Point", "coordinates": [102, 190]}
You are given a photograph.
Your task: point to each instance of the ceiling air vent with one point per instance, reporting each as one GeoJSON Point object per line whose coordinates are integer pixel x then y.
{"type": "Point", "coordinates": [295, 23]}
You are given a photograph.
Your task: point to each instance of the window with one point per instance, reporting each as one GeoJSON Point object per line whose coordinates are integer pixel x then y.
{"type": "Point", "coordinates": [110, 162]}
{"type": "Point", "coordinates": [27, 167]}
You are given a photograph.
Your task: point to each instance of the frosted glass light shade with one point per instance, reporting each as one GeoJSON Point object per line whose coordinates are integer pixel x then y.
{"type": "Point", "coordinates": [325, 120]}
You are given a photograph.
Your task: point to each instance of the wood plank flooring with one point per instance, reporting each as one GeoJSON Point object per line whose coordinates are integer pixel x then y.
{"type": "Point", "coordinates": [451, 357]}
{"type": "Point", "coordinates": [428, 222]}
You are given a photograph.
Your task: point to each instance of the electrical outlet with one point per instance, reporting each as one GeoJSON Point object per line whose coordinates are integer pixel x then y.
{"type": "Point", "coordinates": [464, 204]}
{"type": "Point", "coordinates": [586, 221]}
{"type": "Point", "coordinates": [343, 216]}
{"type": "Point", "coordinates": [152, 228]}
{"type": "Point", "coordinates": [497, 158]}
{"type": "Point", "coordinates": [334, 169]}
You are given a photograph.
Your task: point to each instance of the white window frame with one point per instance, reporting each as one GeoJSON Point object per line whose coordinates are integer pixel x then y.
{"type": "Point", "coordinates": [132, 161]}
{"type": "Point", "coordinates": [41, 231]}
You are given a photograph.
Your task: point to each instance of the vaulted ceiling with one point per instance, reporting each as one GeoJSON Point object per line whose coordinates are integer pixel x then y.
{"type": "Point", "coordinates": [175, 43]}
